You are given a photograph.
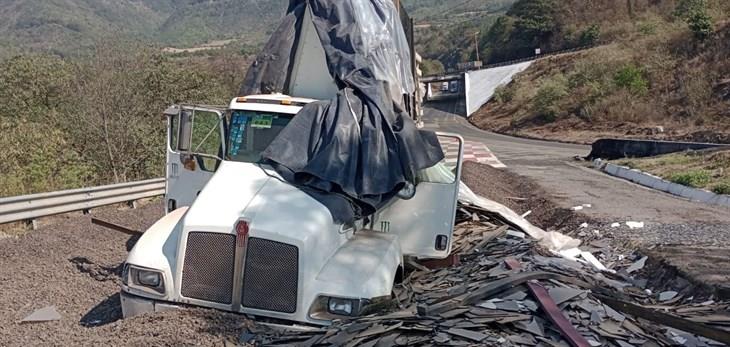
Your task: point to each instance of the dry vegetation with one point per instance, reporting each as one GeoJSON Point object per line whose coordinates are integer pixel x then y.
{"type": "Point", "coordinates": [704, 169]}
{"type": "Point", "coordinates": [652, 78]}
{"type": "Point", "coordinates": [70, 123]}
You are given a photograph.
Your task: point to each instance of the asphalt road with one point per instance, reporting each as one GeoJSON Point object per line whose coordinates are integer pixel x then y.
{"type": "Point", "coordinates": [573, 183]}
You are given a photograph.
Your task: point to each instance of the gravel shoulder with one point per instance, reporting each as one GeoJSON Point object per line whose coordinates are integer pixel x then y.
{"type": "Point", "coordinates": [75, 266]}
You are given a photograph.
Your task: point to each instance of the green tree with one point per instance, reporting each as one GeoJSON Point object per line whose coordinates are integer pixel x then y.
{"type": "Point", "coordinates": [121, 91]}
{"type": "Point", "coordinates": [32, 87]}
{"type": "Point", "coordinates": [547, 100]}
{"type": "Point", "coordinates": [694, 13]}
{"type": "Point", "coordinates": [432, 67]}
{"type": "Point", "coordinates": [535, 19]}
{"type": "Point", "coordinates": [590, 35]}
{"type": "Point", "coordinates": [632, 78]}
{"type": "Point", "coordinates": [37, 157]}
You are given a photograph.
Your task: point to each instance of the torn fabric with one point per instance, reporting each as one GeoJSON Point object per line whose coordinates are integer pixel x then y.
{"type": "Point", "coordinates": [359, 145]}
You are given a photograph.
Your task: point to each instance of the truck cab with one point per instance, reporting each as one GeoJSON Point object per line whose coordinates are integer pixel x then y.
{"type": "Point", "coordinates": [238, 238]}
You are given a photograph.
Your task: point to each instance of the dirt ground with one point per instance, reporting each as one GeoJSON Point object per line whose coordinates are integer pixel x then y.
{"type": "Point", "coordinates": [75, 266]}
{"type": "Point", "coordinates": [578, 131]}
{"type": "Point", "coordinates": [521, 195]}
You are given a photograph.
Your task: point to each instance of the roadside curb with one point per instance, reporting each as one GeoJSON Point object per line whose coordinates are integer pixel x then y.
{"type": "Point", "coordinates": [654, 182]}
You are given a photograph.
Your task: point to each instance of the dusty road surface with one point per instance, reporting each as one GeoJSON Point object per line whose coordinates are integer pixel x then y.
{"type": "Point", "coordinates": [694, 237]}
{"type": "Point", "coordinates": [551, 165]}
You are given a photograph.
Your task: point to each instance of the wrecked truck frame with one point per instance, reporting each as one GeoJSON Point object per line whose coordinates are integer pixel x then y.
{"type": "Point", "coordinates": [301, 207]}
{"type": "Point", "coordinates": [239, 238]}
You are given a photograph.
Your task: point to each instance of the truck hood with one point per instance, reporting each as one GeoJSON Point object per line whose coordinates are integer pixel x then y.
{"type": "Point", "coordinates": [275, 209]}
{"type": "Point", "coordinates": [226, 196]}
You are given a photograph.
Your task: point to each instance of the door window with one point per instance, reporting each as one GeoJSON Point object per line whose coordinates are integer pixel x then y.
{"type": "Point", "coordinates": [206, 137]}
{"type": "Point", "coordinates": [199, 138]}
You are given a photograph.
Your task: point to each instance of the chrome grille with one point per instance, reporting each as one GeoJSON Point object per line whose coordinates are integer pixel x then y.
{"type": "Point", "coordinates": [208, 269]}
{"type": "Point", "coordinates": [271, 277]}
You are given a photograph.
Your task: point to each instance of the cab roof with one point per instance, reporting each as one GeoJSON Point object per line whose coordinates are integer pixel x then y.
{"type": "Point", "coordinates": [270, 103]}
{"type": "Point", "coordinates": [277, 97]}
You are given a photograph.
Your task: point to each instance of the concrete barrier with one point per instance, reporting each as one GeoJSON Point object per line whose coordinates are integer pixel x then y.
{"type": "Point", "coordinates": [480, 85]}
{"type": "Point", "coordinates": [660, 184]}
{"type": "Point", "coordinates": [618, 148]}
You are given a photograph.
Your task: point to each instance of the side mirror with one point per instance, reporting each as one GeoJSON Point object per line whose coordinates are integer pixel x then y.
{"type": "Point", "coordinates": [408, 191]}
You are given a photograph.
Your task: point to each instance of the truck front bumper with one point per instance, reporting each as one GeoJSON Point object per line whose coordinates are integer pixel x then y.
{"type": "Point", "coordinates": [133, 305]}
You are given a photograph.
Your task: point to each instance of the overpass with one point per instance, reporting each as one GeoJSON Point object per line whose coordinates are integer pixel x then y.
{"type": "Point", "coordinates": [471, 89]}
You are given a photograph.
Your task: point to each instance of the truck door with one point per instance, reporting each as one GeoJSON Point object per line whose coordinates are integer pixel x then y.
{"type": "Point", "coordinates": [425, 223]}
{"type": "Point", "coordinates": [196, 146]}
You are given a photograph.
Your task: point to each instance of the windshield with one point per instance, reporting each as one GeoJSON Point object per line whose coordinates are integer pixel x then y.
{"type": "Point", "coordinates": [251, 132]}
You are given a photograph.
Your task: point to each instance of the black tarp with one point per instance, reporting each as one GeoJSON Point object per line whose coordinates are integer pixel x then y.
{"type": "Point", "coordinates": [356, 151]}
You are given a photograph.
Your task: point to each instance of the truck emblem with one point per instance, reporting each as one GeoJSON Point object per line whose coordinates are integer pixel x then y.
{"type": "Point", "coordinates": [241, 233]}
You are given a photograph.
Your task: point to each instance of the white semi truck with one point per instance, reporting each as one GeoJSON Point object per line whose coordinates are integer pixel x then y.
{"type": "Point", "coordinates": [237, 237]}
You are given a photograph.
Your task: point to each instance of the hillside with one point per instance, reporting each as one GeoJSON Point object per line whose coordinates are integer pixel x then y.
{"type": "Point", "coordinates": [445, 29]}
{"type": "Point", "coordinates": [430, 11]}
{"type": "Point", "coordinates": [195, 21]}
{"type": "Point", "coordinates": [660, 71]}
{"type": "Point", "coordinates": [65, 26]}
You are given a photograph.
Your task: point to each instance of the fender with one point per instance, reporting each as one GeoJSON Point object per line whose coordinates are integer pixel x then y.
{"type": "Point", "coordinates": [157, 247]}
{"type": "Point", "coordinates": [365, 267]}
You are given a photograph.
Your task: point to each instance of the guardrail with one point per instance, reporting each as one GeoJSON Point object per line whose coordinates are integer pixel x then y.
{"type": "Point", "coordinates": [30, 207]}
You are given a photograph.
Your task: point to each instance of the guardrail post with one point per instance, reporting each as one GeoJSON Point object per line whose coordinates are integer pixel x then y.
{"type": "Point", "coordinates": [32, 223]}
{"type": "Point", "coordinates": [132, 204]}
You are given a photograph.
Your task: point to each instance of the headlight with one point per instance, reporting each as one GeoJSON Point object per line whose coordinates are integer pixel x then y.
{"type": "Point", "coordinates": [148, 278]}
{"type": "Point", "coordinates": [340, 306]}
{"type": "Point", "coordinates": [145, 279]}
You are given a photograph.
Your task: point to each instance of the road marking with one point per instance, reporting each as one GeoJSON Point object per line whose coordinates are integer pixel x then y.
{"type": "Point", "coordinates": [473, 151]}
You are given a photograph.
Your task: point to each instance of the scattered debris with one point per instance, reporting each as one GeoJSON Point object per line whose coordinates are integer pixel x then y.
{"type": "Point", "coordinates": [666, 296]}
{"type": "Point", "coordinates": [638, 265]}
{"type": "Point", "coordinates": [511, 291]}
{"type": "Point", "coordinates": [115, 227]}
{"type": "Point", "coordinates": [46, 314]}
{"type": "Point", "coordinates": [635, 225]}
{"type": "Point", "coordinates": [615, 225]}
{"type": "Point", "coordinates": [516, 234]}
{"type": "Point", "coordinates": [577, 208]}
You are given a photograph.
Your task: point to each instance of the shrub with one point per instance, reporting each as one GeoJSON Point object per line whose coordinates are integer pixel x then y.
{"type": "Point", "coordinates": [432, 67]}
{"type": "Point", "coordinates": [590, 35]}
{"type": "Point", "coordinates": [648, 28]}
{"type": "Point", "coordinates": [722, 188]}
{"type": "Point", "coordinates": [701, 25]}
{"type": "Point", "coordinates": [693, 178]}
{"type": "Point", "coordinates": [503, 94]}
{"type": "Point", "coordinates": [694, 13]}
{"type": "Point", "coordinates": [546, 101]}
{"type": "Point", "coordinates": [632, 78]}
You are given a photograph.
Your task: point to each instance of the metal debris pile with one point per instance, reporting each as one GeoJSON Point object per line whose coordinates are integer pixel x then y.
{"type": "Point", "coordinates": [503, 289]}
